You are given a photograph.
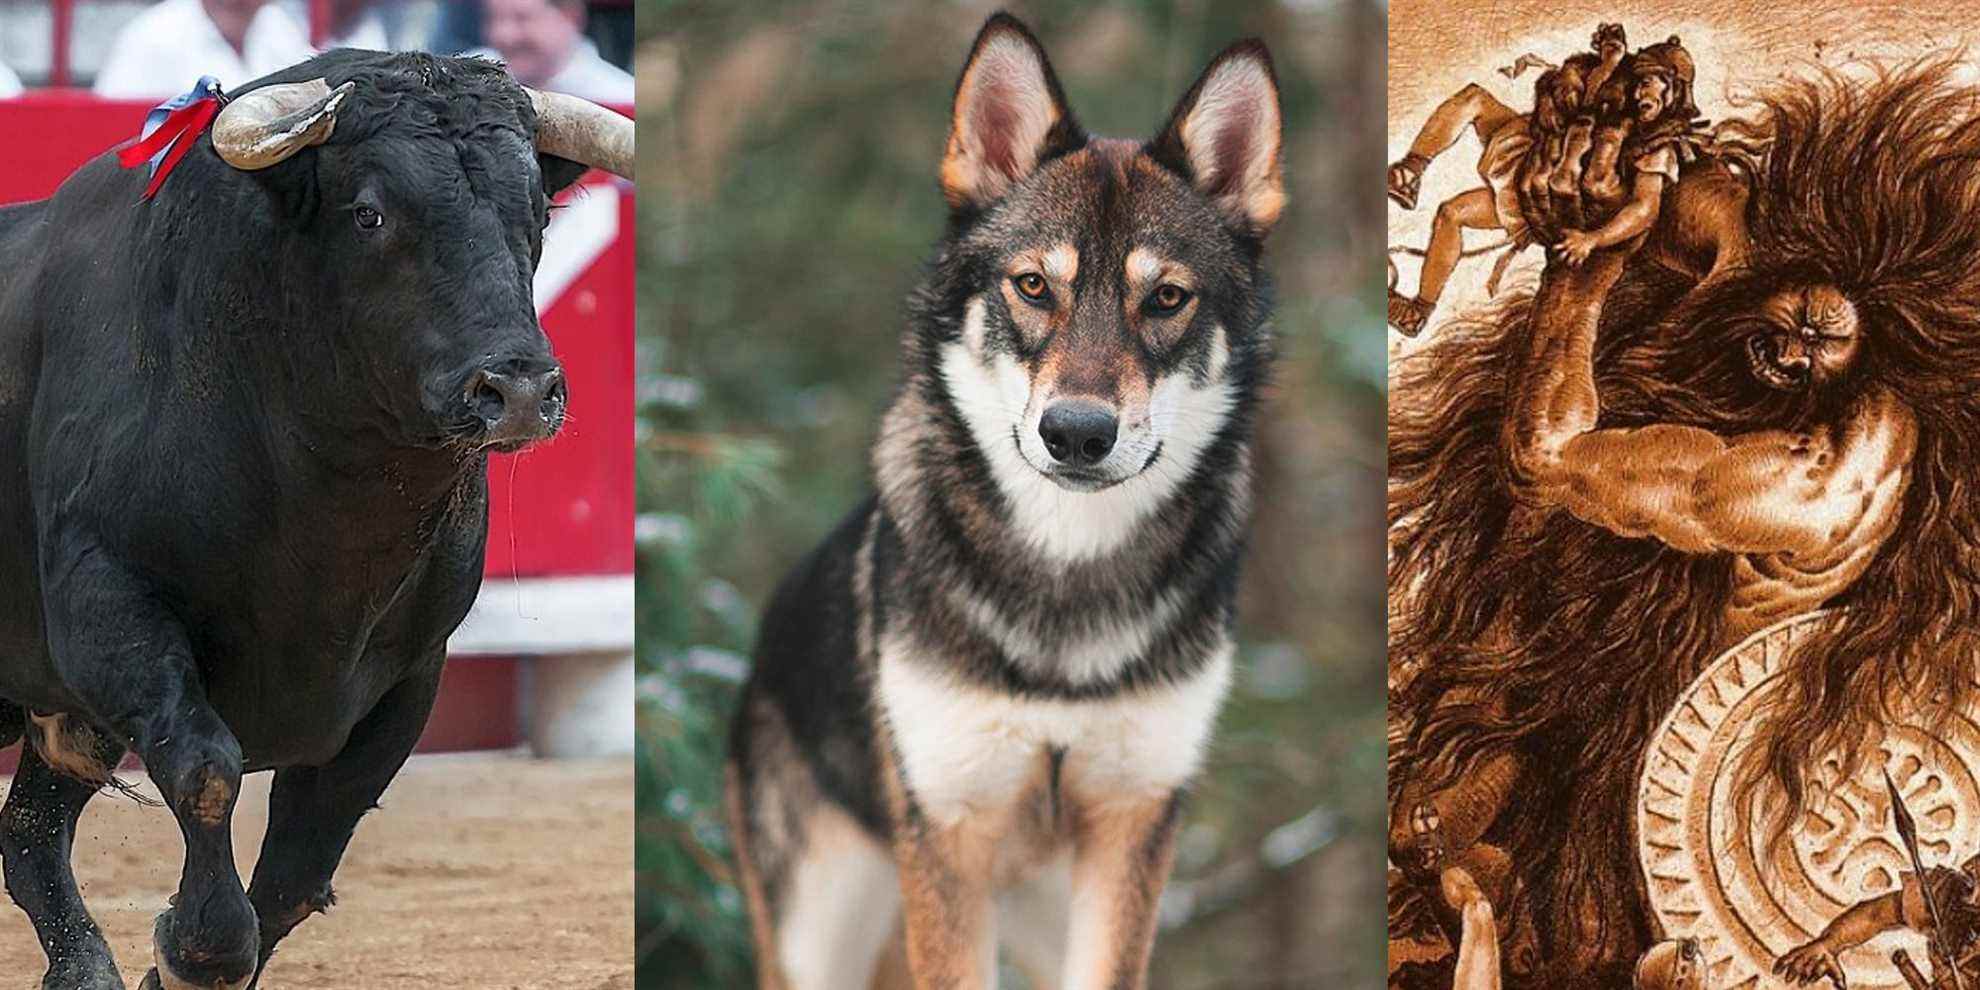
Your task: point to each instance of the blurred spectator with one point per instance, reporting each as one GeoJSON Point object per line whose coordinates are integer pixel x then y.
{"type": "Point", "coordinates": [544, 44]}
{"type": "Point", "coordinates": [356, 24]}
{"type": "Point", "coordinates": [168, 47]}
{"type": "Point", "coordinates": [457, 27]}
{"type": "Point", "coordinates": [10, 84]}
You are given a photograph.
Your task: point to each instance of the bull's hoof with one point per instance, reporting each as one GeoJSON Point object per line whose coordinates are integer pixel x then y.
{"type": "Point", "coordinates": [96, 971]}
{"type": "Point", "coordinates": [178, 966]}
{"type": "Point", "coordinates": [152, 981]}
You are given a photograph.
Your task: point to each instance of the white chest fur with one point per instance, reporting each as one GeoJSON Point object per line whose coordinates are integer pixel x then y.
{"type": "Point", "coordinates": [964, 749]}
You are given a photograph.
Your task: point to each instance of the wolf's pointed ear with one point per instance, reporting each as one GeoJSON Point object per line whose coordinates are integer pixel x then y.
{"type": "Point", "coordinates": [1224, 137]}
{"type": "Point", "coordinates": [1009, 116]}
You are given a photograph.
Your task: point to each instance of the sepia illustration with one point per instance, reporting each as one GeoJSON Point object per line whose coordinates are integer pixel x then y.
{"type": "Point", "coordinates": [1684, 514]}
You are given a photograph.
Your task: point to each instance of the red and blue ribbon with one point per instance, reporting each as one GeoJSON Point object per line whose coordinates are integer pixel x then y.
{"type": "Point", "coordinates": [171, 129]}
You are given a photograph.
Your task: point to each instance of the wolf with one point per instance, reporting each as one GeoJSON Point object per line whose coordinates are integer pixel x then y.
{"type": "Point", "coordinates": [976, 708]}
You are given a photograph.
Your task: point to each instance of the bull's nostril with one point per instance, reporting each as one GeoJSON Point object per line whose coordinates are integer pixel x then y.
{"type": "Point", "coordinates": [518, 407]}
{"type": "Point", "coordinates": [485, 398]}
{"type": "Point", "coordinates": [555, 399]}
{"type": "Point", "coordinates": [488, 402]}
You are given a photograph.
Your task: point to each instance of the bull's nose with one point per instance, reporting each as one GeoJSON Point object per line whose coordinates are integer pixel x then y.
{"type": "Point", "coordinates": [1077, 433]}
{"type": "Point", "coordinates": [516, 406]}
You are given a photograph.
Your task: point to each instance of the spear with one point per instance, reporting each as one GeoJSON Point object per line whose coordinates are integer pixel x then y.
{"type": "Point", "coordinates": [1908, 831]}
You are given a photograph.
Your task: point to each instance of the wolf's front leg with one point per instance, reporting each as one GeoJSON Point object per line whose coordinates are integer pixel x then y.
{"type": "Point", "coordinates": [1123, 847]}
{"type": "Point", "coordinates": [946, 888]}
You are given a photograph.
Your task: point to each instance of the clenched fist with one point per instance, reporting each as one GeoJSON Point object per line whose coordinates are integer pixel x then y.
{"type": "Point", "coordinates": [1573, 180]}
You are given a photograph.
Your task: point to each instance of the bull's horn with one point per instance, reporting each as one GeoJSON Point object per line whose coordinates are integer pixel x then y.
{"type": "Point", "coordinates": [266, 126]}
{"type": "Point", "coordinates": [583, 132]}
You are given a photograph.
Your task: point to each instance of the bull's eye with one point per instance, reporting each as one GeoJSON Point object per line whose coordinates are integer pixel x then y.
{"type": "Point", "coordinates": [368, 218]}
{"type": "Point", "coordinates": [1167, 299]}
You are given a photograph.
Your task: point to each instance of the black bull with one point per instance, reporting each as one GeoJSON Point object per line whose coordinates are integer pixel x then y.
{"type": "Point", "coordinates": [243, 465]}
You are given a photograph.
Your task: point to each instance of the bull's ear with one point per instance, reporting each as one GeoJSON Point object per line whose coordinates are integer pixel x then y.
{"type": "Point", "coordinates": [558, 173]}
{"type": "Point", "coordinates": [1224, 137]}
{"type": "Point", "coordinates": [1009, 117]}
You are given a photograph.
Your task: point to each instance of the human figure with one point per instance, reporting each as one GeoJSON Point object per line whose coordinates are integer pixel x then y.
{"type": "Point", "coordinates": [1471, 923]}
{"type": "Point", "coordinates": [353, 24]}
{"type": "Point", "coordinates": [1615, 487]}
{"type": "Point", "coordinates": [543, 44]}
{"type": "Point", "coordinates": [1673, 964]}
{"type": "Point", "coordinates": [1661, 77]}
{"type": "Point", "coordinates": [1641, 114]}
{"type": "Point", "coordinates": [173, 43]}
{"type": "Point", "coordinates": [1956, 895]}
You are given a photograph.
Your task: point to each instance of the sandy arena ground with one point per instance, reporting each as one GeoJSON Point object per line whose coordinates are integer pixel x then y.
{"type": "Point", "coordinates": [495, 872]}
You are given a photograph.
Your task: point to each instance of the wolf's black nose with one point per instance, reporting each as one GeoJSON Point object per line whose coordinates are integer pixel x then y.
{"type": "Point", "coordinates": [1078, 433]}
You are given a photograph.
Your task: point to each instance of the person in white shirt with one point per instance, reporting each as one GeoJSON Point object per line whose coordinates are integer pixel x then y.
{"type": "Point", "coordinates": [169, 46]}
{"type": "Point", "coordinates": [10, 84]}
{"type": "Point", "coordinates": [544, 45]}
{"type": "Point", "coordinates": [353, 24]}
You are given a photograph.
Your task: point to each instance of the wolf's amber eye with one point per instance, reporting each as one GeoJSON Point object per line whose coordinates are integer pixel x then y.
{"type": "Point", "coordinates": [1030, 285]}
{"type": "Point", "coordinates": [1168, 298]}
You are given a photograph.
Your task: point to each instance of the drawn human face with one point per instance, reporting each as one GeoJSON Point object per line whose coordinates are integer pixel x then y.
{"type": "Point", "coordinates": [1652, 95]}
{"type": "Point", "coordinates": [1807, 337]}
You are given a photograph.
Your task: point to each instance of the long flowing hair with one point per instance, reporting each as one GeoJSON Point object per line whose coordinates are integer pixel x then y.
{"type": "Point", "coordinates": [1526, 631]}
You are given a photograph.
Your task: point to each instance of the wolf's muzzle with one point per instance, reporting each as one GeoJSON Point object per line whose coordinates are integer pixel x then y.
{"type": "Point", "coordinates": [1078, 433]}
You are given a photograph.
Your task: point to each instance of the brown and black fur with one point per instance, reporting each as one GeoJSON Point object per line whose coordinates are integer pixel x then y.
{"type": "Point", "coordinates": [814, 758]}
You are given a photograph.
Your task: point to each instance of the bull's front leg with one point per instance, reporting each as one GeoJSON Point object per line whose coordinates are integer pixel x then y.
{"type": "Point", "coordinates": [37, 832]}
{"type": "Point", "coordinates": [124, 655]}
{"type": "Point", "coordinates": [312, 811]}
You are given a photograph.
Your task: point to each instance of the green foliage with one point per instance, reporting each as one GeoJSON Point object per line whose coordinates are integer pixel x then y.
{"type": "Point", "coordinates": [694, 633]}
{"type": "Point", "coordinates": [788, 196]}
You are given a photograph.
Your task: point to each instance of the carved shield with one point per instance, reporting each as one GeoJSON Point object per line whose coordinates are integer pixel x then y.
{"type": "Point", "coordinates": [1712, 876]}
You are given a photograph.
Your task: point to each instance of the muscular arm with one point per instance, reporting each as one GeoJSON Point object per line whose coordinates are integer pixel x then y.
{"type": "Point", "coordinates": [1700, 492]}
{"type": "Point", "coordinates": [1863, 922]}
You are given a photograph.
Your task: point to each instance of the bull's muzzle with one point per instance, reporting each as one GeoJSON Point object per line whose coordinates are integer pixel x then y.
{"type": "Point", "coordinates": [516, 407]}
